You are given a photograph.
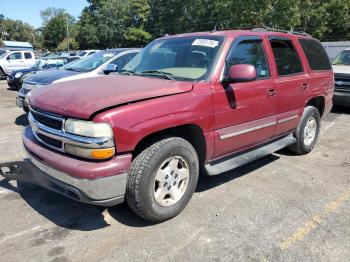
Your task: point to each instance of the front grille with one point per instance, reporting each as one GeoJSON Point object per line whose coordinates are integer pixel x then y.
{"type": "Point", "coordinates": [47, 120]}
{"type": "Point", "coordinates": [50, 141]}
{"type": "Point", "coordinates": [342, 82]}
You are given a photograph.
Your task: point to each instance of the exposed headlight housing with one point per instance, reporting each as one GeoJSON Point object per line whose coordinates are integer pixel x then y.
{"type": "Point", "coordinates": [18, 75]}
{"type": "Point", "coordinates": [88, 128]}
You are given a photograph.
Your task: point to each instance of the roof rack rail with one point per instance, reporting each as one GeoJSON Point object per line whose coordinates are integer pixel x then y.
{"type": "Point", "coordinates": [269, 29]}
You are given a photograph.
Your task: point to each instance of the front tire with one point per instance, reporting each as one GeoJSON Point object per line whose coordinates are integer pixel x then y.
{"type": "Point", "coordinates": [162, 179]}
{"type": "Point", "coordinates": [307, 132]}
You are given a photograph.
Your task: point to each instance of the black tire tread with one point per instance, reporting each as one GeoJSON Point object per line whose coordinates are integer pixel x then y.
{"type": "Point", "coordinates": [297, 147]}
{"type": "Point", "coordinates": [2, 74]}
{"type": "Point", "coordinates": [141, 163]}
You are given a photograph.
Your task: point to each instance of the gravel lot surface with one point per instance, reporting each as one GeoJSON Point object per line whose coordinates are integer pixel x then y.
{"type": "Point", "coordinates": [280, 208]}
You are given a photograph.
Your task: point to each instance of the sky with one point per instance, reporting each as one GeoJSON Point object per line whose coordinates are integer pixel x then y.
{"type": "Point", "coordinates": [29, 10]}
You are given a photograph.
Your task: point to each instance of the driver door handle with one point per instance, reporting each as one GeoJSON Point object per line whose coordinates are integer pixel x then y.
{"type": "Point", "coordinates": [271, 92]}
{"type": "Point", "coordinates": [304, 85]}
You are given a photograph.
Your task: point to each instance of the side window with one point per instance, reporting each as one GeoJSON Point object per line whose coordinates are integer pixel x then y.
{"type": "Point", "coordinates": [286, 57]}
{"type": "Point", "coordinates": [27, 55]}
{"type": "Point", "coordinates": [16, 56]}
{"type": "Point", "coordinates": [123, 60]}
{"type": "Point", "coordinates": [251, 52]}
{"type": "Point", "coordinates": [315, 54]}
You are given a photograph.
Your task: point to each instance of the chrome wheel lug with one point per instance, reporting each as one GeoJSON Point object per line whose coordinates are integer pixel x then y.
{"type": "Point", "coordinates": [165, 184]}
{"type": "Point", "coordinates": [174, 183]}
{"type": "Point", "coordinates": [166, 177]}
{"type": "Point", "coordinates": [169, 187]}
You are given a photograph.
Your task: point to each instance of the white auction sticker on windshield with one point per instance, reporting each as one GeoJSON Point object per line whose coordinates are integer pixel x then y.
{"type": "Point", "coordinates": [206, 42]}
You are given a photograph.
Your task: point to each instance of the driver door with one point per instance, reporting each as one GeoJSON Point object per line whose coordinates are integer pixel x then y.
{"type": "Point", "coordinates": [245, 113]}
{"type": "Point", "coordinates": [15, 61]}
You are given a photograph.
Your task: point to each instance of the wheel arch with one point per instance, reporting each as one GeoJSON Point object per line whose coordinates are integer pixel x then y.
{"type": "Point", "coordinates": [190, 132]}
{"type": "Point", "coordinates": [318, 102]}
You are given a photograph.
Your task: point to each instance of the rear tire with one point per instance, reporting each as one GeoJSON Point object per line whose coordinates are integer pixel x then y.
{"type": "Point", "coordinates": [2, 74]}
{"type": "Point", "coordinates": [162, 179]}
{"type": "Point", "coordinates": [307, 132]}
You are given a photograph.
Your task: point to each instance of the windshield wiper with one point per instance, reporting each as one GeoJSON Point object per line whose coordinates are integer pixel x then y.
{"type": "Point", "coordinates": [74, 69]}
{"type": "Point", "coordinates": [129, 72]}
{"type": "Point", "coordinates": [159, 73]}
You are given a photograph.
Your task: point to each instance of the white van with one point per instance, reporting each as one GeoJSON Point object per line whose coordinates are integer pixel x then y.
{"type": "Point", "coordinates": [15, 60]}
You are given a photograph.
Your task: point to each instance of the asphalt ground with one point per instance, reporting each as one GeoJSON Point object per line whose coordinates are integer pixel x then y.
{"type": "Point", "coordinates": [280, 208]}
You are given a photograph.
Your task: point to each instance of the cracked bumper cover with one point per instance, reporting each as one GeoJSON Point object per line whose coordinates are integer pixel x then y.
{"type": "Point", "coordinates": [99, 183]}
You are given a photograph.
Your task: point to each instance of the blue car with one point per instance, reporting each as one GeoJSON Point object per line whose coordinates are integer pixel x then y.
{"type": "Point", "coordinates": [95, 65]}
{"type": "Point", "coordinates": [15, 79]}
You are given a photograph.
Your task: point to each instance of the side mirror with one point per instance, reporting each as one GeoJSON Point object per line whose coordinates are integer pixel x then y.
{"type": "Point", "coordinates": [240, 73]}
{"type": "Point", "coordinates": [110, 69]}
{"type": "Point", "coordinates": [8, 57]}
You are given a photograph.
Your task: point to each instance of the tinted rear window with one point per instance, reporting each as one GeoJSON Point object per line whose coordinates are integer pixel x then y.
{"type": "Point", "coordinates": [316, 55]}
{"type": "Point", "coordinates": [286, 57]}
{"type": "Point", "coordinates": [27, 55]}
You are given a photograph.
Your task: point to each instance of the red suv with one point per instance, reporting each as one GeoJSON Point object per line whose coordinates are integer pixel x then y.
{"type": "Point", "coordinates": [208, 101]}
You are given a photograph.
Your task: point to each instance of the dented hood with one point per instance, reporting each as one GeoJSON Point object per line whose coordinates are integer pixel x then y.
{"type": "Point", "coordinates": [81, 98]}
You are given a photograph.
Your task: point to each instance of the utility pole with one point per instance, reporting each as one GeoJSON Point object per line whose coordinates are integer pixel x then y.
{"type": "Point", "coordinates": [67, 34]}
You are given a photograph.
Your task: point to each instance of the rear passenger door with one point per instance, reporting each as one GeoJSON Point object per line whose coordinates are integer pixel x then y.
{"type": "Point", "coordinates": [244, 113]}
{"type": "Point", "coordinates": [28, 59]}
{"type": "Point", "coordinates": [291, 82]}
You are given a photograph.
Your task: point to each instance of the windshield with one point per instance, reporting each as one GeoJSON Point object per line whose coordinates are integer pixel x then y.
{"type": "Point", "coordinates": [3, 54]}
{"type": "Point", "coordinates": [82, 53]}
{"type": "Point", "coordinates": [49, 63]}
{"type": "Point", "coordinates": [343, 58]}
{"type": "Point", "coordinates": [185, 58]}
{"type": "Point", "coordinates": [89, 63]}
{"type": "Point", "coordinates": [39, 64]}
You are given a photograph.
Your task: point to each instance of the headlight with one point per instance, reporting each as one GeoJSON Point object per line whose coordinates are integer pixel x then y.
{"type": "Point", "coordinates": [18, 75]}
{"type": "Point", "coordinates": [88, 128]}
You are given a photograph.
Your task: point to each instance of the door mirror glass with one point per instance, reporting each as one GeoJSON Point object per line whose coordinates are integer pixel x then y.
{"type": "Point", "coordinates": [241, 73]}
{"type": "Point", "coordinates": [110, 69]}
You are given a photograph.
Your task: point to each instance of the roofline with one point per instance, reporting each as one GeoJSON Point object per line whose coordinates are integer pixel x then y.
{"type": "Point", "coordinates": [233, 31]}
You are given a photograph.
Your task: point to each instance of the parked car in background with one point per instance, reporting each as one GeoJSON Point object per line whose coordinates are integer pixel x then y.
{"type": "Point", "coordinates": [341, 68]}
{"type": "Point", "coordinates": [15, 79]}
{"type": "Point", "coordinates": [209, 100]}
{"type": "Point", "coordinates": [14, 60]}
{"type": "Point", "coordinates": [84, 53]}
{"type": "Point", "coordinates": [3, 52]}
{"type": "Point", "coordinates": [100, 63]}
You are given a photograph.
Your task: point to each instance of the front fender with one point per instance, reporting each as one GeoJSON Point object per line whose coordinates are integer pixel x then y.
{"type": "Point", "coordinates": [133, 122]}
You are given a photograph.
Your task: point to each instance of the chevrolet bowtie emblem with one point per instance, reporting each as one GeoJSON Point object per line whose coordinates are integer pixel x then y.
{"type": "Point", "coordinates": [342, 83]}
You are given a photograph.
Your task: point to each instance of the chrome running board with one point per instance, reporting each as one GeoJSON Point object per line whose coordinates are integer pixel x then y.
{"type": "Point", "coordinates": [228, 163]}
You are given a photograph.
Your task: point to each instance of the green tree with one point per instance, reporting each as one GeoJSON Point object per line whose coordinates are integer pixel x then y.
{"type": "Point", "coordinates": [73, 44]}
{"type": "Point", "coordinates": [16, 30]}
{"type": "Point", "coordinates": [55, 26]}
{"type": "Point", "coordinates": [135, 20]}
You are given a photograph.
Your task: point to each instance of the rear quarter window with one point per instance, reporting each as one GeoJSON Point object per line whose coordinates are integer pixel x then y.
{"type": "Point", "coordinates": [315, 54]}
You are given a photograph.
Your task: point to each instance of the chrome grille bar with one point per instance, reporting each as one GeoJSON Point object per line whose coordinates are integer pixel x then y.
{"type": "Point", "coordinates": [66, 138]}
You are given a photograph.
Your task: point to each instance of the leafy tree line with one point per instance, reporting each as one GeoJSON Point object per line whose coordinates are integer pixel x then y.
{"type": "Point", "coordinates": [19, 31]}
{"type": "Point", "coordinates": [116, 23]}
